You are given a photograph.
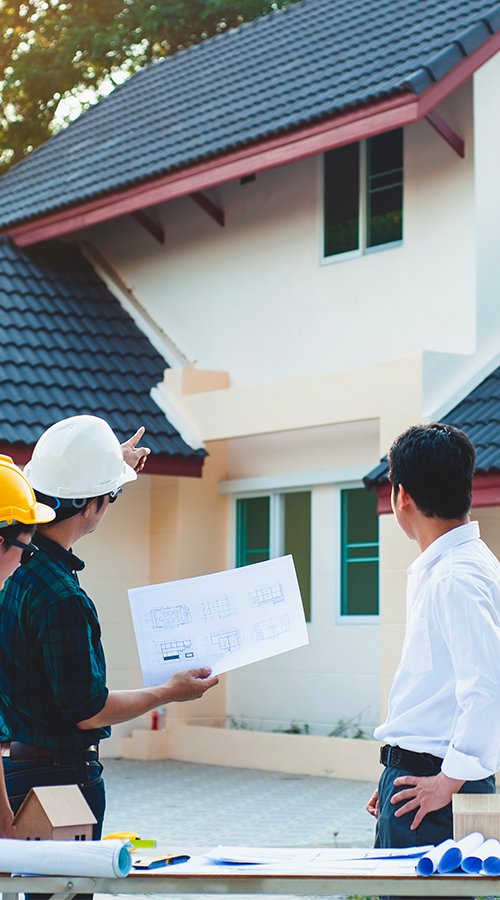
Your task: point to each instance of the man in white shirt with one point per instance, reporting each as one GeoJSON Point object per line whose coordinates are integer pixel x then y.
{"type": "Point", "coordinates": [442, 732]}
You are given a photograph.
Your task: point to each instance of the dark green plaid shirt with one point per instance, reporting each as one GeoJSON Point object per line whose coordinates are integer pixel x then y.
{"type": "Point", "coordinates": [52, 668]}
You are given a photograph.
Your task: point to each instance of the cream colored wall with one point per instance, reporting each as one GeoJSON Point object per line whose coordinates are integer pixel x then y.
{"type": "Point", "coordinates": [252, 299]}
{"type": "Point", "coordinates": [489, 526]}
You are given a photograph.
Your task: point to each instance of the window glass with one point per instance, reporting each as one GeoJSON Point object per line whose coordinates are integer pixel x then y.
{"type": "Point", "coordinates": [385, 188]}
{"type": "Point", "coordinates": [252, 517]}
{"type": "Point", "coordinates": [297, 517]}
{"type": "Point", "coordinates": [341, 207]}
{"type": "Point", "coordinates": [359, 587]}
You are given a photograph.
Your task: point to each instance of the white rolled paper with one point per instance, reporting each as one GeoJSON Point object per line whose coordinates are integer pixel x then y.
{"type": "Point", "coordinates": [473, 863]}
{"type": "Point", "coordinates": [428, 864]}
{"type": "Point", "coordinates": [469, 843]}
{"type": "Point", "coordinates": [100, 859]}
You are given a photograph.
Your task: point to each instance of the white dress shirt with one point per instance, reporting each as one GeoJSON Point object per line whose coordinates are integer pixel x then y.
{"type": "Point", "coordinates": [445, 697]}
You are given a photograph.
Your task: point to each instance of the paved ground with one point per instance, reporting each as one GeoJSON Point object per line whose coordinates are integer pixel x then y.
{"type": "Point", "coordinates": [210, 805]}
{"type": "Point", "coordinates": [183, 804]}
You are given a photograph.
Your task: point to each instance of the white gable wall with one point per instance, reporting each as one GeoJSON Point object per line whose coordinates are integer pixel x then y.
{"type": "Point", "coordinates": [252, 299]}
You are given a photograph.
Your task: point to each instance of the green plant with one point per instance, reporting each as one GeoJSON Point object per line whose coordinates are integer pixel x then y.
{"type": "Point", "coordinates": [350, 728]}
{"type": "Point", "coordinates": [239, 724]}
{"type": "Point", "coordinates": [294, 728]}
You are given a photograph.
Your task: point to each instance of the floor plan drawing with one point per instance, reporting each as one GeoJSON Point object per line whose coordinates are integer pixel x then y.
{"type": "Point", "coordinates": [272, 628]}
{"type": "Point", "coordinates": [164, 617]}
{"type": "Point", "coordinates": [171, 651]}
{"type": "Point", "coordinates": [267, 594]}
{"type": "Point", "coordinates": [227, 641]}
{"type": "Point", "coordinates": [224, 620]}
{"type": "Point", "coordinates": [218, 608]}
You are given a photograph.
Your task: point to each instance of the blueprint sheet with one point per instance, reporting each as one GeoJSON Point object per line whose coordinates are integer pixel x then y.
{"type": "Point", "coordinates": [225, 620]}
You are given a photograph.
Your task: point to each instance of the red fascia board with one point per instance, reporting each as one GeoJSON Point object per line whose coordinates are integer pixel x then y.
{"type": "Point", "coordinates": [343, 128]}
{"type": "Point", "coordinates": [20, 453]}
{"type": "Point", "coordinates": [163, 464]}
{"type": "Point", "coordinates": [157, 463]}
{"type": "Point", "coordinates": [352, 126]}
{"type": "Point", "coordinates": [485, 492]}
{"type": "Point", "coordinates": [384, 499]}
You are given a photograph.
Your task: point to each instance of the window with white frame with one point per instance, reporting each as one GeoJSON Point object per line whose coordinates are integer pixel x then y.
{"type": "Point", "coordinates": [363, 196]}
{"type": "Point", "coordinates": [275, 525]}
{"type": "Point", "coordinates": [359, 560]}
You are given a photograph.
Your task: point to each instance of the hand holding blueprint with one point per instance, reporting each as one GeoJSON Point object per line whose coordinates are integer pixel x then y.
{"type": "Point", "coordinates": [225, 620]}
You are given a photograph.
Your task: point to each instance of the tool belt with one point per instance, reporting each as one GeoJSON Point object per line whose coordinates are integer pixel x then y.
{"type": "Point", "coordinates": [24, 752]}
{"type": "Point", "coordinates": [419, 763]}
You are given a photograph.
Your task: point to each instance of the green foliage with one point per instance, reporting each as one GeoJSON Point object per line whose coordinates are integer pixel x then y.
{"type": "Point", "coordinates": [350, 728]}
{"type": "Point", "coordinates": [238, 724]}
{"type": "Point", "coordinates": [52, 50]}
{"type": "Point", "coordinates": [294, 728]}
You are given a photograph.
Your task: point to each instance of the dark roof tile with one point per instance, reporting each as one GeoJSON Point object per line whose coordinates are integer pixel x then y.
{"type": "Point", "coordinates": [67, 347]}
{"type": "Point", "coordinates": [478, 415]}
{"type": "Point", "coordinates": [311, 60]}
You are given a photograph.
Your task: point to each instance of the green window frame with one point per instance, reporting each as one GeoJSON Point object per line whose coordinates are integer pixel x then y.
{"type": "Point", "coordinates": [277, 524]}
{"type": "Point", "coordinates": [359, 553]}
{"type": "Point", "coordinates": [363, 196]}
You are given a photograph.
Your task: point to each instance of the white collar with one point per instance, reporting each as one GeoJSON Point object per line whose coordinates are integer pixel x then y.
{"type": "Point", "coordinates": [459, 535]}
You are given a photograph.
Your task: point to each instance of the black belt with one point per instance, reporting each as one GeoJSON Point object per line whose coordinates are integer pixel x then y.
{"type": "Point", "coordinates": [24, 752]}
{"type": "Point", "coordinates": [420, 763]}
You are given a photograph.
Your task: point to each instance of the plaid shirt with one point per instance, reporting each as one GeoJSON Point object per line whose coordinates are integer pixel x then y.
{"type": "Point", "coordinates": [52, 668]}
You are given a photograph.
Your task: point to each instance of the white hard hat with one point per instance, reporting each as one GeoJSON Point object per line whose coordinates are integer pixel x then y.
{"type": "Point", "coordinates": [76, 458]}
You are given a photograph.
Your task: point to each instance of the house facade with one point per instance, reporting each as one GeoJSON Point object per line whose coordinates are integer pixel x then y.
{"type": "Point", "coordinates": [320, 271]}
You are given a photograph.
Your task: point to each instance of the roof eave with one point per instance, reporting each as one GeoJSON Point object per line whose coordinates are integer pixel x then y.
{"type": "Point", "coordinates": [157, 463]}
{"type": "Point", "coordinates": [402, 108]}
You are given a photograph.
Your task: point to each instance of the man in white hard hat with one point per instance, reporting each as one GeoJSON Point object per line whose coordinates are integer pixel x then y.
{"type": "Point", "coordinates": [55, 707]}
{"type": "Point", "coordinates": [19, 514]}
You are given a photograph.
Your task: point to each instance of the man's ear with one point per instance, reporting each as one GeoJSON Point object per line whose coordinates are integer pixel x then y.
{"type": "Point", "coordinates": [89, 508]}
{"type": "Point", "coordinates": [404, 500]}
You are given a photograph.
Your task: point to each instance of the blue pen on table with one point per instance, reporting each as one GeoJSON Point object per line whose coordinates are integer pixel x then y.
{"type": "Point", "coordinates": [154, 862]}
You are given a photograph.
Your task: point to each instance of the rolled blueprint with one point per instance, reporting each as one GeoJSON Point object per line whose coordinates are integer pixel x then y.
{"type": "Point", "coordinates": [102, 859]}
{"type": "Point", "coordinates": [452, 858]}
{"type": "Point", "coordinates": [448, 855]}
{"type": "Point", "coordinates": [474, 863]}
{"type": "Point", "coordinates": [428, 864]}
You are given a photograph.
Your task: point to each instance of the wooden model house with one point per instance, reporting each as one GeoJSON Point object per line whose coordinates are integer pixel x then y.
{"type": "Point", "coordinates": [57, 813]}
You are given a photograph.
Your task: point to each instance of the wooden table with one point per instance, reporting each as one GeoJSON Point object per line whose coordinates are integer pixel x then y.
{"type": "Point", "coordinates": [64, 888]}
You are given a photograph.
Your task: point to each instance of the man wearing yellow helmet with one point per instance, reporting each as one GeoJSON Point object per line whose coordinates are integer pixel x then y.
{"type": "Point", "coordinates": [19, 513]}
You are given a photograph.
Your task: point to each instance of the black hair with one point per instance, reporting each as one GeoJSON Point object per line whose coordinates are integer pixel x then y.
{"type": "Point", "coordinates": [435, 465]}
{"type": "Point", "coordinates": [13, 532]}
{"type": "Point", "coordinates": [66, 509]}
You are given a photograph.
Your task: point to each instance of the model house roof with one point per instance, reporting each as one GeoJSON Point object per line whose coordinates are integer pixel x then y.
{"type": "Point", "coordinates": [309, 61]}
{"type": "Point", "coordinates": [62, 804]}
{"type": "Point", "coordinates": [68, 347]}
{"type": "Point", "coordinates": [478, 415]}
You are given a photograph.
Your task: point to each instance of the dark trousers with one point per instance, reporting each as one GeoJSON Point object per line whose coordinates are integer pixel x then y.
{"type": "Point", "coordinates": [436, 826]}
{"type": "Point", "coordinates": [83, 769]}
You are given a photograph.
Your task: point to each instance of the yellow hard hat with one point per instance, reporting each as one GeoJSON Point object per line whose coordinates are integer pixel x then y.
{"type": "Point", "coordinates": [17, 501]}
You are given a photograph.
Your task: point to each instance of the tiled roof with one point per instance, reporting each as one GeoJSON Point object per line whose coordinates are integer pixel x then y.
{"type": "Point", "coordinates": [67, 347]}
{"type": "Point", "coordinates": [478, 415]}
{"type": "Point", "coordinates": [297, 65]}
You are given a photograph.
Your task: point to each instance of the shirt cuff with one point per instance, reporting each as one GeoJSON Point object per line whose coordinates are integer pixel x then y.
{"type": "Point", "coordinates": [466, 768]}
{"type": "Point", "coordinates": [87, 710]}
